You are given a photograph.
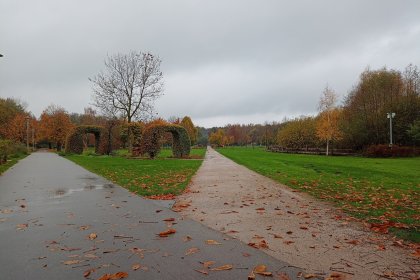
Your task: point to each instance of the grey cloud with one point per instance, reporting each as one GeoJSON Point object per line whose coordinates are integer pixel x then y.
{"type": "Point", "coordinates": [221, 59]}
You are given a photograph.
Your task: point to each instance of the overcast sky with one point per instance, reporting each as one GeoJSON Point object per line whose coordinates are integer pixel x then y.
{"type": "Point", "coordinates": [224, 61]}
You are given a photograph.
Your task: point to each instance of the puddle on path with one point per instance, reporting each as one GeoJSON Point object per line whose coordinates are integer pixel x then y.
{"type": "Point", "coordinates": [58, 193]}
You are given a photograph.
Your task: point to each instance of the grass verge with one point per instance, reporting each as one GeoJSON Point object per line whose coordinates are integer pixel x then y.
{"type": "Point", "coordinates": [10, 162]}
{"type": "Point", "coordinates": [383, 192]}
{"type": "Point", "coordinates": [143, 176]}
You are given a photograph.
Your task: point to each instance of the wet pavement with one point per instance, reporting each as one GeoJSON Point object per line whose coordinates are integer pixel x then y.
{"type": "Point", "coordinates": [60, 221]}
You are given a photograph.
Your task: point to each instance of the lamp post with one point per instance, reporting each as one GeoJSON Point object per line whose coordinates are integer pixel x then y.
{"type": "Point", "coordinates": [390, 116]}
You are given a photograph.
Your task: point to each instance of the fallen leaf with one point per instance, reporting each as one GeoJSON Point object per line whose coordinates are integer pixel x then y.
{"type": "Point", "coordinates": [88, 272]}
{"type": "Point", "coordinates": [416, 253]}
{"type": "Point", "coordinates": [167, 232]}
{"type": "Point", "coordinates": [309, 276]}
{"type": "Point", "coordinates": [202, 271]}
{"type": "Point", "coordinates": [191, 251]}
{"type": "Point", "coordinates": [84, 227]}
{"type": "Point", "coordinates": [223, 267]}
{"type": "Point", "coordinates": [70, 262]}
{"type": "Point", "coordinates": [208, 264]}
{"type": "Point", "coordinates": [283, 276]}
{"type": "Point", "coordinates": [187, 238]}
{"type": "Point", "coordinates": [169, 220]}
{"type": "Point", "coordinates": [213, 242]}
{"type": "Point", "coordinates": [251, 275]}
{"type": "Point", "coordinates": [353, 242]}
{"type": "Point", "coordinates": [262, 270]}
{"type": "Point", "coordinates": [91, 256]}
{"type": "Point", "coordinates": [92, 236]}
{"type": "Point", "coordinates": [135, 266]}
{"type": "Point", "coordinates": [288, 242]}
{"type": "Point", "coordinates": [119, 275]}
{"type": "Point", "coordinates": [335, 276]}
{"type": "Point", "coordinates": [21, 226]}
{"type": "Point", "coordinates": [303, 227]}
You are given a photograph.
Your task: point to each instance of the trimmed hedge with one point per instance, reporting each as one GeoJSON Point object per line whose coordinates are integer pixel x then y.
{"type": "Point", "coordinates": [136, 130]}
{"type": "Point", "coordinates": [395, 151]}
{"type": "Point", "coordinates": [74, 141]}
{"type": "Point", "coordinates": [150, 142]}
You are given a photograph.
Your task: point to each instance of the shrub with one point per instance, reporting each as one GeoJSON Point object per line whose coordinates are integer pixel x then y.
{"type": "Point", "coordinates": [9, 149]}
{"type": "Point", "coordinates": [150, 143]}
{"type": "Point", "coordinates": [383, 150]}
{"type": "Point", "coordinates": [74, 141]}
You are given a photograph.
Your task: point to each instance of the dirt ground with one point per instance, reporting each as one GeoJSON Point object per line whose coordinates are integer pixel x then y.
{"type": "Point", "coordinates": [291, 226]}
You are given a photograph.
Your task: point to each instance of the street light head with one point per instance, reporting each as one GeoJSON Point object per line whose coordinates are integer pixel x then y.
{"type": "Point", "coordinates": [1, 55]}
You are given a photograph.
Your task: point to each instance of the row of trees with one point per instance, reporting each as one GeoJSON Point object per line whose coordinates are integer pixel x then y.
{"type": "Point", "coordinates": [361, 121]}
{"type": "Point", "coordinates": [55, 123]}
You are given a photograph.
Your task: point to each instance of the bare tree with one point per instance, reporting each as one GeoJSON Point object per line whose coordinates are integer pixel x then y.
{"type": "Point", "coordinates": [128, 86]}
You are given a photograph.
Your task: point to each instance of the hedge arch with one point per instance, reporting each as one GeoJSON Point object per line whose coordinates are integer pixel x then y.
{"type": "Point", "coordinates": [74, 141]}
{"type": "Point", "coordinates": [181, 144]}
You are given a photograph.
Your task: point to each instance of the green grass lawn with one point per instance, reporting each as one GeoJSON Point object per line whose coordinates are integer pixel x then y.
{"type": "Point", "coordinates": [161, 176]}
{"type": "Point", "coordinates": [376, 190]}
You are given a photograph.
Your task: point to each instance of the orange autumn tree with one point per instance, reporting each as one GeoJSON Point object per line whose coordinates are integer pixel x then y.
{"type": "Point", "coordinates": [54, 125]}
{"type": "Point", "coordinates": [191, 129]}
{"type": "Point", "coordinates": [327, 127]}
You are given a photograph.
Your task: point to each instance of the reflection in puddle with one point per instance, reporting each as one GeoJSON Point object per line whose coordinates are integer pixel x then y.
{"type": "Point", "coordinates": [63, 192]}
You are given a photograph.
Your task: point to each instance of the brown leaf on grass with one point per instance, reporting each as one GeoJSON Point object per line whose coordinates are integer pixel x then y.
{"type": "Point", "coordinates": [169, 220]}
{"type": "Point", "coordinates": [288, 242]}
{"type": "Point", "coordinates": [167, 232]}
{"type": "Point", "coordinates": [310, 276]}
{"type": "Point", "coordinates": [84, 227]}
{"type": "Point", "coordinates": [275, 235]}
{"type": "Point", "coordinates": [260, 209]}
{"type": "Point", "coordinates": [223, 267]}
{"type": "Point", "coordinates": [289, 232]}
{"type": "Point", "coordinates": [213, 242]}
{"type": "Point", "coordinates": [304, 227]}
{"type": "Point", "coordinates": [191, 251]}
{"type": "Point", "coordinates": [21, 226]}
{"type": "Point", "coordinates": [92, 236]}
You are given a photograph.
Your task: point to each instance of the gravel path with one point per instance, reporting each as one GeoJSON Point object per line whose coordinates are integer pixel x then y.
{"type": "Point", "coordinates": [291, 226]}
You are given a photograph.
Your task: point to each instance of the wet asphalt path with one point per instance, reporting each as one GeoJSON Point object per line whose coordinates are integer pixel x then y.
{"type": "Point", "coordinates": [49, 206]}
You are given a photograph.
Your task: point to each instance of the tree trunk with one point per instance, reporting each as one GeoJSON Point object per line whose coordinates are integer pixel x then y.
{"type": "Point", "coordinates": [328, 146]}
